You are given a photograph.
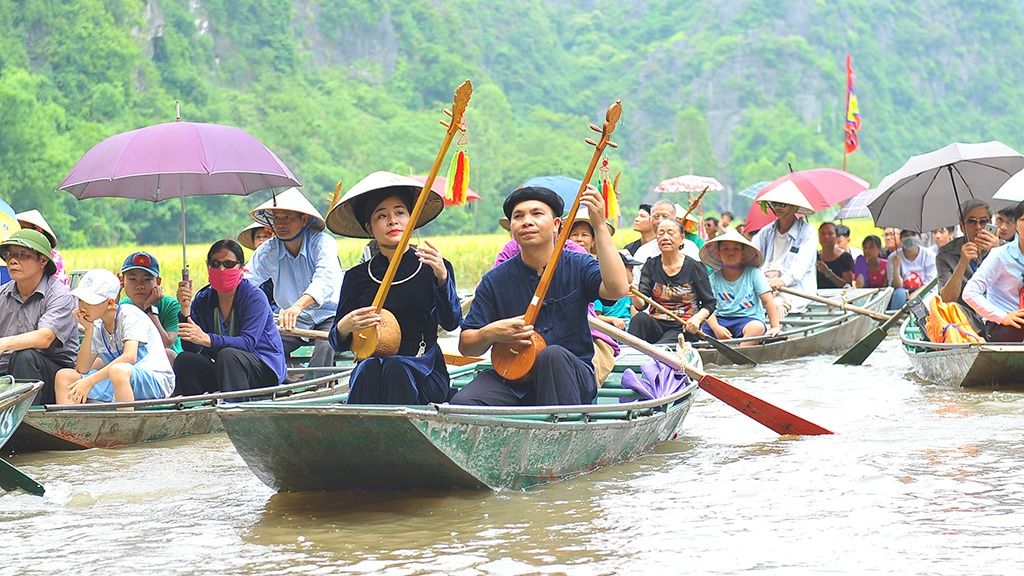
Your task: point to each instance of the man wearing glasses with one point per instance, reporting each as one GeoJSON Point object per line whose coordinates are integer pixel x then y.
{"type": "Point", "coordinates": [957, 261]}
{"type": "Point", "coordinates": [789, 246]}
{"type": "Point", "coordinates": [38, 334]}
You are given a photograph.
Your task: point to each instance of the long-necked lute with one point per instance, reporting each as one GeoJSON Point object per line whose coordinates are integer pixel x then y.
{"type": "Point", "coordinates": [368, 342]}
{"type": "Point", "coordinates": [515, 361]}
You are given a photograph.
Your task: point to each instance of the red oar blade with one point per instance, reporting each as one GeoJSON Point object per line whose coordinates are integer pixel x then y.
{"type": "Point", "coordinates": [775, 418]}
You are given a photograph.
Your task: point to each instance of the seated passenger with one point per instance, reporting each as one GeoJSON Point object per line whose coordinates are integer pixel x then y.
{"type": "Point", "coordinates": [132, 362]}
{"type": "Point", "coordinates": [620, 312]}
{"type": "Point", "coordinates": [252, 237]}
{"type": "Point", "coordinates": [942, 236]}
{"type": "Point", "coordinates": [422, 295]}
{"type": "Point", "coordinates": [227, 330]}
{"type": "Point", "coordinates": [788, 246]}
{"type": "Point", "coordinates": [916, 263]}
{"type": "Point", "coordinates": [140, 277]}
{"type": "Point", "coordinates": [835, 266]}
{"type": "Point", "coordinates": [872, 271]}
{"type": "Point", "coordinates": [740, 288]}
{"type": "Point", "coordinates": [660, 210]}
{"type": "Point", "coordinates": [957, 261]}
{"type": "Point", "coordinates": [33, 220]}
{"type": "Point", "coordinates": [996, 289]}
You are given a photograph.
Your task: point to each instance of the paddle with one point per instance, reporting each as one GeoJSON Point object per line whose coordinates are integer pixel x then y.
{"type": "Point", "coordinates": [11, 479]}
{"type": "Point", "coordinates": [861, 350]}
{"type": "Point", "coordinates": [732, 354]}
{"type": "Point", "coordinates": [775, 418]}
{"type": "Point", "coordinates": [837, 304]}
{"type": "Point", "coordinates": [452, 359]}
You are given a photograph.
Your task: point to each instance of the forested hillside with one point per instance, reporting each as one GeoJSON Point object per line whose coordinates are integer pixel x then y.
{"type": "Point", "coordinates": [338, 88]}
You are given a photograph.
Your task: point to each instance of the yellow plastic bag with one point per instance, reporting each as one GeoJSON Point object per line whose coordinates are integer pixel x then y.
{"type": "Point", "coordinates": [948, 323]}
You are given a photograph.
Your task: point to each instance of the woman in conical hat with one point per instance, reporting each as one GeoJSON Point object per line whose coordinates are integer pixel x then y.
{"type": "Point", "coordinates": [33, 220]}
{"type": "Point", "coordinates": [421, 298]}
{"type": "Point", "coordinates": [581, 231]}
{"type": "Point", "coordinates": [255, 234]}
{"type": "Point", "coordinates": [741, 289]}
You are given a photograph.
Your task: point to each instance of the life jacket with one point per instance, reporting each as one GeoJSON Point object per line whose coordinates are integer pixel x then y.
{"type": "Point", "coordinates": [948, 323]}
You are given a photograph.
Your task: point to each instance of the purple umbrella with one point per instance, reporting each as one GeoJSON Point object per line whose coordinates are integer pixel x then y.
{"type": "Point", "coordinates": [174, 160]}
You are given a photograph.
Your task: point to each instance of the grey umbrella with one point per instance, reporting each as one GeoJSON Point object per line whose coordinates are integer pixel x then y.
{"type": "Point", "coordinates": [926, 192]}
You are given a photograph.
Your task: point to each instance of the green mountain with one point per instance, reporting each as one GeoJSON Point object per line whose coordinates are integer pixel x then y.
{"type": "Point", "coordinates": [339, 88]}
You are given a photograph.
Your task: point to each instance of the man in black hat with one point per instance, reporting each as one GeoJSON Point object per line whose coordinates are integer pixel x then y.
{"type": "Point", "coordinates": [38, 334]}
{"type": "Point", "coordinates": [563, 371]}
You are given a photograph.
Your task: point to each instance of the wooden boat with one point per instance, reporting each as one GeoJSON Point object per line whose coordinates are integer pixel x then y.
{"type": "Point", "coordinates": [82, 426]}
{"type": "Point", "coordinates": [325, 445]}
{"type": "Point", "coordinates": [969, 365]}
{"type": "Point", "coordinates": [15, 399]}
{"type": "Point", "coordinates": [820, 329]}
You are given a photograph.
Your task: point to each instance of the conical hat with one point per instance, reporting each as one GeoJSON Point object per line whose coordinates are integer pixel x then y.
{"type": "Point", "coordinates": [345, 218]}
{"type": "Point", "coordinates": [709, 252]}
{"type": "Point", "coordinates": [504, 222]}
{"type": "Point", "coordinates": [245, 236]}
{"type": "Point", "coordinates": [290, 199]}
{"type": "Point", "coordinates": [34, 218]}
{"type": "Point", "coordinates": [788, 193]}
{"type": "Point", "coordinates": [584, 214]}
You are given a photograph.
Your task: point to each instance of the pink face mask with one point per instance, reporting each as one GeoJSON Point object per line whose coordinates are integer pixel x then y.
{"type": "Point", "coordinates": [225, 280]}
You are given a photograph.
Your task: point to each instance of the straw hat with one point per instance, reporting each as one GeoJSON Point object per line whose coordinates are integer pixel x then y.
{"type": "Point", "coordinates": [34, 218]}
{"type": "Point", "coordinates": [291, 199]}
{"type": "Point", "coordinates": [788, 193]}
{"type": "Point", "coordinates": [347, 216]}
{"type": "Point", "coordinates": [245, 236]}
{"type": "Point", "coordinates": [709, 252]}
{"type": "Point", "coordinates": [582, 214]}
{"type": "Point", "coordinates": [504, 222]}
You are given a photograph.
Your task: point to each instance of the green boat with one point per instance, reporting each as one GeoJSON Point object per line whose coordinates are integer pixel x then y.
{"type": "Point", "coordinates": [988, 365]}
{"type": "Point", "coordinates": [15, 399]}
{"type": "Point", "coordinates": [109, 425]}
{"type": "Point", "coordinates": [324, 445]}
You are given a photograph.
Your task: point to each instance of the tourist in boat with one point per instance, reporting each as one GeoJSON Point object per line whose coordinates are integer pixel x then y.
{"type": "Point", "coordinates": [996, 289]}
{"type": "Point", "coordinates": [843, 241]}
{"type": "Point", "coordinates": [789, 247]}
{"type": "Point", "coordinates": [942, 236]}
{"type": "Point", "coordinates": [618, 313]}
{"type": "Point", "coordinates": [873, 271]}
{"type": "Point", "coordinates": [691, 228]}
{"type": "Point", "coordinates": [710, 228]}
{"type": "Point", "coordinates": [660, 210]}
{"type": "Point", "coordinates": [743, 296]}
{"type": "Point", "coordinates": [422, 296]}
{"type": "Point", "coordinates": [252, 237]}
{"type": "Point", "coordinates": [642, 224]}
{"type": "Point", "coordinates": [302, 260]}
{"type": "Point", "coordinates": [916, 263]}
{"type": "Point", "coordinates": [678, 283]}
{"type": "Point", "coordinates": [140, 277]}
{"type": "Point", "coordinates": [122, 356]}
{"type": "Point", "coordinates": [38, 334]}
{"type": "Point", "coordinates": [892, 241]}
{"type": "Point", "coordinates": [724, 222]}
{"type": "Point", "coordinates": [957, 261]}
{"type": "Point", "coordinates": [835, 266]}
{"type": "Point", "coordinates": [1006, 226]}
{"type": "Point", "coordinates": [227, 330]}
{"type": "Point", "coordinates": [33, 220]}
{"type": "Point", "coordinates": [563, 372]}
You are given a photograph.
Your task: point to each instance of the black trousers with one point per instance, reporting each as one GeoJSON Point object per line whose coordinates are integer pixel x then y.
{"type": "Point", "coordinates": [323, 354]}
{"type": "Point", "coordinates": [559, 378]}
{"type": "Point", "coordinates": [999, 333]}
{"type": "Point", "coordinates": [657, 331]}
{"type": "Point", "coordinates": [233, 370]}
{"type": "Point", "coordinates": [31, 364]}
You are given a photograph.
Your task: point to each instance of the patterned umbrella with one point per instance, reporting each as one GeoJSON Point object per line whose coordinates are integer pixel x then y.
{"type": "Point", "coordinates": [752, 190]}
{"type": "Point", "coordinates": [857, 207]}
{"type": "Point", "coordinates": [688, 183]}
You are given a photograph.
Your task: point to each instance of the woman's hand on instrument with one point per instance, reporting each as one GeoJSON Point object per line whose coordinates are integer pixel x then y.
{"type": "Point", "coordinates": [184, 296]}
{"type": "Point", "coordinates": [431, 256]}
{"type": "Point", "coordinates": [358, 319]}
{"type": "Point", "coordinates": [1015, 319]}
{"type": "Point", "coordinates": [511, 331]}
{"type": "Point", "coordinates": [189, 331]}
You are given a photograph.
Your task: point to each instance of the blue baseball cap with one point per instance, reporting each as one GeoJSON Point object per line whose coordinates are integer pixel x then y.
{"type": "Point", "coordinates": [141, 261]}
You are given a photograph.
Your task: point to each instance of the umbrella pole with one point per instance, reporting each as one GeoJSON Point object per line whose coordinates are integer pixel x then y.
{"type": "Point", "coordinates": [956, 195]}
{"type": "Point", "coordinates": [184, 254]}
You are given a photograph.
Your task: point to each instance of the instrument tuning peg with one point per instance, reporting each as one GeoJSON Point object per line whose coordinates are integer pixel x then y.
{"type": "Point", "coordinates": [613, 144]}
{"type": "Point", "coordinates": [448, 112]}
{"type": "Point", "coordinates": [445, 124]}
{"type": "Point", "coordinates": [590, 141]}
{"type": "Point", "coordinates": [595, 128]}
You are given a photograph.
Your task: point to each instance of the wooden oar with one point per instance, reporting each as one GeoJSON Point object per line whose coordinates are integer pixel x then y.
{"type": "Point", "coordinates": [837, 304]}
{"type": "Point", "coordinates": [734, 355]}
{"type": "Point", "coordinates": [364, 342]}
{"type": "Point", "coordinates": [11, 479]}
{"type": "Point", "coordinates": [775, 418]}
{"type": "Point", "coordinates": [452, 359]}
{"type": "Point", "coordinates": [861, 350]}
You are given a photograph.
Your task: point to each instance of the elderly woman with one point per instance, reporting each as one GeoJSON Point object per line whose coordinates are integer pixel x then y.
{"type": "Point", "coordinates": [677, 282]}
{"type": "Point", "coordinates": [227, 330]}
{"type": "Point", "coordinates": [422, 295]}
{"type": "Point", "coordinates": [996, 290]}
{"type": "Point", "coordinates": [743, 293]}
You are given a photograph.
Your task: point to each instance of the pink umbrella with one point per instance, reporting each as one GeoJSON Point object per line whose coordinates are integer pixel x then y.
{"type": "Point", "coordinates": [688, 183]}
{"type": "Point", "coordinates": [440, 182]}
{"type": "Point", "coordinates": [822, 187]}
{"type": "Point", "coordinates": [174, 160]}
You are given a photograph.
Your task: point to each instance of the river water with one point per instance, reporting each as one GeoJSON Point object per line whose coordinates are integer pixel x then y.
{"type": "Point", "coordinates": [918, 479]}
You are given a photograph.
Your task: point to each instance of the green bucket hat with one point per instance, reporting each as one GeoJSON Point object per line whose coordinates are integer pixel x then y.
{"type": "Point", "coordinates": [35, 241]}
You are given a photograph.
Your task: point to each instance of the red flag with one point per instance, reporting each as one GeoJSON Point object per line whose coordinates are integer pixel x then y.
{"type": "Point", "coordinates": [852, 111]}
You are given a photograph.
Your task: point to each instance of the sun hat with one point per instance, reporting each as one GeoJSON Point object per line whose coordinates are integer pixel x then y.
{"type": "Point", "coordinates": [291, 199]}
{"type": "Point", "coordinates": [349, 215]}
{"type": "Point", "coordinates": [34, 218]}
{"type": "Point", "coordinates": [245, 237]}
{"type": "Point", "coordinates": [709, 253]}
{"type": "Point", "coordinates": [141, 261]}
{"type": "Point", "coordinates": [36, 241]}
{"type": "Point", "coordinates": [787, 193]}
{"type": "Point", "coordinates": [583, 214]}
{"type": "Point", "coordinates": [538, 193]}
{"type": "Point", "coordinates": [97, 286]}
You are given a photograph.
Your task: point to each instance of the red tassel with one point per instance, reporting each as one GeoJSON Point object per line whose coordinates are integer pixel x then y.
{"type": "Point", "coordinates": [606, 192]}
{"type": "Point", "coordinates": [460, 184]}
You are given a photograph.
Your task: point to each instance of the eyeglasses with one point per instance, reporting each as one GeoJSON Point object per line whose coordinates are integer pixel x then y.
{"type": "Point", "coordinates": [978, 221]}
{"type": "Point", "coordinates": [778, 205]}
{"type": "Point", "coordinates": [225, 264]}
{"type": "Point", "coordinates": [19, 255]}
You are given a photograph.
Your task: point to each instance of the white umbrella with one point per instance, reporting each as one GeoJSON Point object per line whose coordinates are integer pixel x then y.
{"type": "Point", "coordinates": [1012, 190]}
{"type": "Point", "coordinates": [926, 192]}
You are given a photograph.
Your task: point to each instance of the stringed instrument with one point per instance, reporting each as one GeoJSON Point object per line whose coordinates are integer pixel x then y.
{"type": "Point", "coordinates": [515, 361]}
{"type": "Point", "coordinates": [368, 342]}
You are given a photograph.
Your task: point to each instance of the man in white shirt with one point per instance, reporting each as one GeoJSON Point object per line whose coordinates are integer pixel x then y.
{"type": "Point", "coordinates": [790, 247]}
{"type": "Point", "coordinates": [660, 210]}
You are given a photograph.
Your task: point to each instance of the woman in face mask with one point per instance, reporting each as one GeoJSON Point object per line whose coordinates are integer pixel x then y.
{"type": "Point", "coordinates": [916, 263]}
{"type": "Point", "coordinates": [227, 331]}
